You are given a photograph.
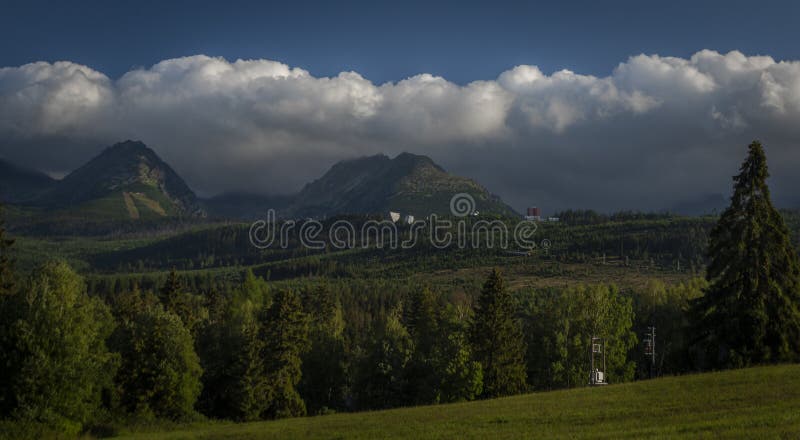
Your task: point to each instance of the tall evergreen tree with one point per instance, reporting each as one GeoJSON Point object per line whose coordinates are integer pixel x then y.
{"type": "Point", "coordinates": [248, 397]}
{"type": "Point", "coordinates": [230, 349]}
{"type": "Point", "coordinates": [497, 340]}
{"type": "Point", "coordinates": [749, 313]}
{"type": "Point", "coordinates": [216, 303]}
{"type": "Point", "coordinates": [6, 262]}
{"type": "Point", "coordinates": [190, 308]}
{"type": "Point", "coordinates": [171, 288]}
{"type": "Point", "coordinates": [422, 321]}
{"type": "Point", "coordinates": [7, 315]}
{"type": "Point", "coordinates": [285, 335]}
{"type": "Point", "coordinates": [324, 382]}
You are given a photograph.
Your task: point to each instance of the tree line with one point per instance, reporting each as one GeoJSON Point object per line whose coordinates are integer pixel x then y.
{"type": "Point", "coordinates": [76, 362]}
{"type": "Point", "coordinates": [257, 352]}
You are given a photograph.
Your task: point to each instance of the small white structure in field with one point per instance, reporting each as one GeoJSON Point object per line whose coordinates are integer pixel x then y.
{"type": "Point", "coordinates": [394, 216]}
{"type": "Point", "coordinates": [409, 219]}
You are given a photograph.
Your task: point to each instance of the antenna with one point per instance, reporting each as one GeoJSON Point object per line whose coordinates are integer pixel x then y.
{"type": "Point", "coordinates": [650, 348]}
{"type": "Point", "coordinates": [597, 350]}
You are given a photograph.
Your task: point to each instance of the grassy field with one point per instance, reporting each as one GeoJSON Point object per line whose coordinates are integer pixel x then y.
{"type": "Point", "coordinates": [762, 402]}
{"type": "Point", "coordinates": [529, 272]}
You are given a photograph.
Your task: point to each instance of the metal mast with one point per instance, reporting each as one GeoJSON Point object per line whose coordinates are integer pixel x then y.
{"type": "Point", "coordinates": [650, 349]}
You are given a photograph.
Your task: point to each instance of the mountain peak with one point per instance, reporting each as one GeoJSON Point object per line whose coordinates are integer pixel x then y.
{"type": "Point", "coordinates": [416, 160]}
{"type": "Point", "coordinates": [375, 159]}
{"type": "Point", "coordinates": [127, 176]}
{"type": "Point", "coordinates": [408, 183]}
{"type": "Point", "coordinates": [130, 150]}
{"type": "Point", "coordinates": [130, 146]}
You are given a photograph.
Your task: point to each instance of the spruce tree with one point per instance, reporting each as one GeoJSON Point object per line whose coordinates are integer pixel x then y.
{"type": "Point", "coordinates": [284, 331]}
{"type": "Point", "coordinates": [324, 382]}
{"type": "Point", "coordinates": [749, 313]}
{"type": "Point", "coordinates": [422, 378]}
{"type": "Point", "coordinates": [189, 307]}
{"type": "Point", "coordinates": [7, 316]}
{"type": "Point", "coordinates": [497, 340]}
{"type": "Point", "coordinates": [171, 288]}
{"type": "Point", "coordinates": [248, 397]}
{"type": "Point", "coordinates": [6, 262]}
{"type": "Point", "coordinates": [230, 349]}
{"type": "Point", "coordinates": [216, 303]}
{"type": "Point", "coordinates": [422, 320]}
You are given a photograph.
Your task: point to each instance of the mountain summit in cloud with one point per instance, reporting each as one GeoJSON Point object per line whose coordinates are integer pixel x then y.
{"type": "Point", "coordinates": [656, 131]}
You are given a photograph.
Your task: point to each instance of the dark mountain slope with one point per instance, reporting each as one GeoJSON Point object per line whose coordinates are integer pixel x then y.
{"type": "Point", "coordinates": [21, 185]}
{"type": "Point", "coordinates": [126, 180]}
{"type": "Point", "coordinates": [408, 183]}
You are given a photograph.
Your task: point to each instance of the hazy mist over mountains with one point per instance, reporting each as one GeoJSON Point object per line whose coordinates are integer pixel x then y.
{"type": "Point", "coordinates": [658, 132]}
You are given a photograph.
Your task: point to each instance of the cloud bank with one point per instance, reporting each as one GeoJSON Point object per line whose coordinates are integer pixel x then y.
{"type": "Point", "coordinates": [657, 131]}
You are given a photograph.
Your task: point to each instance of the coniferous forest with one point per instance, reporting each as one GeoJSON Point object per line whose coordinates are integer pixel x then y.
{"type": "Point", "coordinates": [176, 324]}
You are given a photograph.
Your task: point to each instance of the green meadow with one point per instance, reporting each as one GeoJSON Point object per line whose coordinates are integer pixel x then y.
{"type": "Point", "coordinates": [760, 402]}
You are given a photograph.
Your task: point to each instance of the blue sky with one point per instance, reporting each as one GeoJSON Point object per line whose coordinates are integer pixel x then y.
{"type": "Point", "coordinates": [392, 40]}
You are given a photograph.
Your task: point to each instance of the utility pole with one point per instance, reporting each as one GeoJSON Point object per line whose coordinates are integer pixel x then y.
{"type": "Point", "coordinates": [597, 348]}
{"type": "Point", "coordinates": [650, 348]}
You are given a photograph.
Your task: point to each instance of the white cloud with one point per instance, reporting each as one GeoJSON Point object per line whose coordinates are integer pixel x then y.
{"type": "Point", "coordinates": [260, 125]}
{"type": "Point", "coordinates": [42, 98]}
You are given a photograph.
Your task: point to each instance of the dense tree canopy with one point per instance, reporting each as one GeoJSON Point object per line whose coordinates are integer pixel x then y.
{"type": "Point", "coordinates": [160, 371]}
{"type": "Point", "coordinates": [55, 361]}
{"type": "Point", "coordinates": [559, 329]}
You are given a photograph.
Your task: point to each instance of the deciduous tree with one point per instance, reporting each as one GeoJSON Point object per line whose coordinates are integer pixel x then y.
{"type": "Point", "coordinates": [55, 362]}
